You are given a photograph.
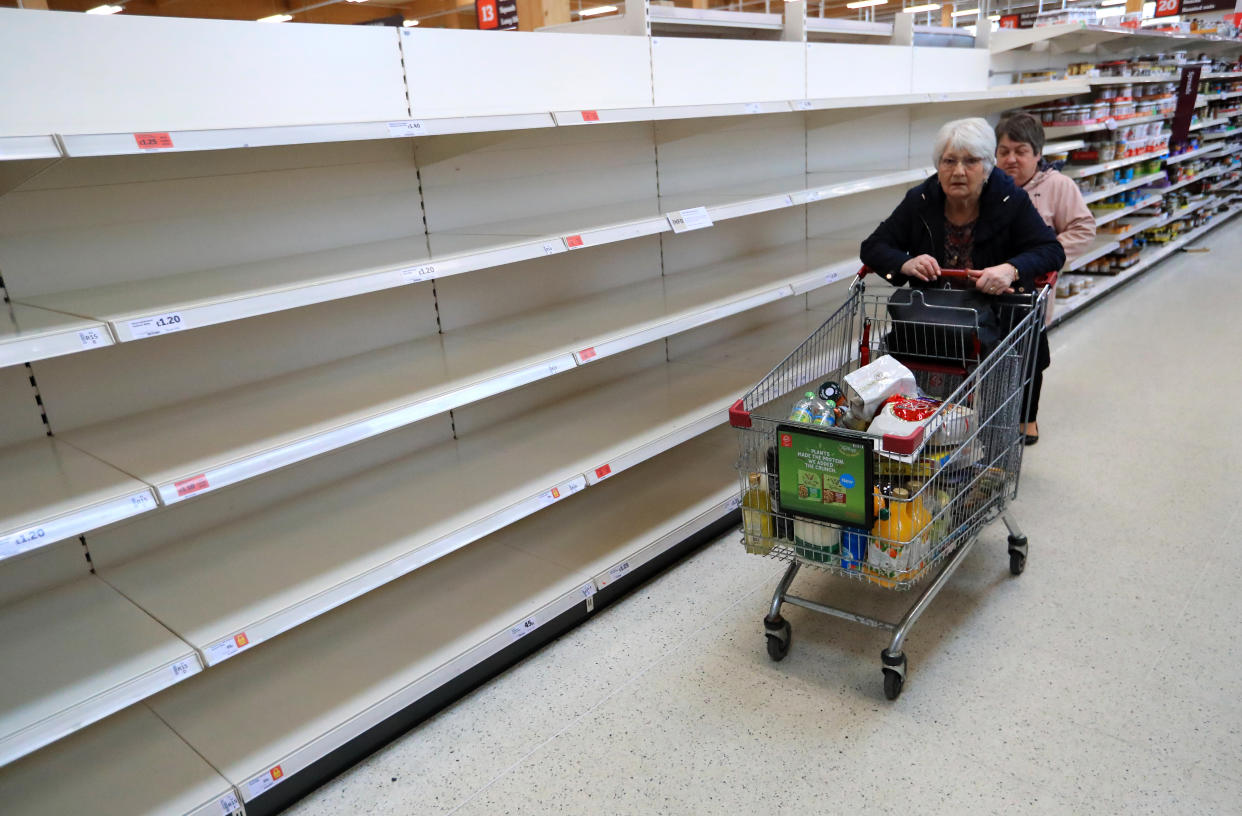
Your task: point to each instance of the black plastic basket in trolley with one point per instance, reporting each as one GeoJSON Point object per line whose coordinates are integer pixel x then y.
{"type": "Point", "coordinates": [893, 509]}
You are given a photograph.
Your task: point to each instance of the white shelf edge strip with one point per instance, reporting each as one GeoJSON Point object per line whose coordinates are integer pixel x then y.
{"type": "Point", "coordinates": [18, 148]}
{"type": "Point", "coordinates": [257, 783]}
{"type": "Point", "coordinates": [54, 344]}
{"type": "Point", "coordinates": [1100, 195]}
{"type": "Point", "coordinates": [670, 440]}
{"type": "Point", "coordinates": [324, 602]}
{"type": "Point", "coordinates": [1191, 154]}
{"type": "Point", "coordinates": [1088, 257]}
{"type": "Point", "coordinates": [1113, 216]}
{"type": "Point", "coordinates": [93, 709]}
{"type": "Point", "coordinates": [1091, 170]}
{"type": "Point", "coordinates": [74, 523]}
{"type": "Point", "coordinates": [189, 485]}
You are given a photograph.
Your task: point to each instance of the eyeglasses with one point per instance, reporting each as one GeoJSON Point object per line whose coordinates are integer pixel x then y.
{"type": "Point", "coordinates": [969, 163]}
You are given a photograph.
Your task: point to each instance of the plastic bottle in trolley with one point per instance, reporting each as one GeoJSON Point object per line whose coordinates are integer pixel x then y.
{"type": "Point", "coordinates": [810, 410]}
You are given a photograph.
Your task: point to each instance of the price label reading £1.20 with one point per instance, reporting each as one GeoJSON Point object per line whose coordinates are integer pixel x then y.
{"type": "Point", "coordinates": [157, 325]}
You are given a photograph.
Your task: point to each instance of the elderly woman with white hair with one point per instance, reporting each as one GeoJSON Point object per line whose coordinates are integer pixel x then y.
{"type": "Point", "coordinates": [971, 216]}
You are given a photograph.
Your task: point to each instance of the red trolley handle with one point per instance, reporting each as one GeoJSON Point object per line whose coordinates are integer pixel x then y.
{"type": "Point", "coordinates": [952, 274]}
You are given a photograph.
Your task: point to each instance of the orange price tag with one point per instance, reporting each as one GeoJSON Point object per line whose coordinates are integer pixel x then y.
{"type": "Point", "coordinates": [192, 485]}
{"type": "Point", "coordinates": [277, 773]}
{"type": "Point", "coordinates": [590, 116]}
{"type": "Point", "coordinates": [587, 354]}
{"type": "Point", "coordinates": [556, 493]}
{"type": "Point", "coordinates": [573, 241]}
{"type": "Point", "coordinates": [241, 640]}
{"type": "Point", "coordinates": [153, 141]}
{"type": "Point", "coordinates": [602, 471]}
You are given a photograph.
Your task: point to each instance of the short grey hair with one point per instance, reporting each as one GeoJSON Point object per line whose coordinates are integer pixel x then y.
{"type": "Point", "coordinates": [973, 136]}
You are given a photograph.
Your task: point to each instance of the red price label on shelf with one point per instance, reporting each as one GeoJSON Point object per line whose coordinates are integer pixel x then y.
{"type": "Point", "coordinates": [573, 241]}
{"type": "Point", "coordinates": [602, 471]}
{"type": "Point", "coordinates": [153, 141]}
{"type": "Point", "coordinates": [587, 354]}
{"type": "Point", "coordinates": [194, 484]}
{"type": "Point", "coordinates": [590, 116]}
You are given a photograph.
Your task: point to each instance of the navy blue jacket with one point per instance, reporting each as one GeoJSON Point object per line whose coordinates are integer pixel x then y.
{"type": "Point", "coordinates": [1009, 230]}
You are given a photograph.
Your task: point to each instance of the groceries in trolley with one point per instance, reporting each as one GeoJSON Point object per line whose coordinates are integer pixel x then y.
{"type": "Point", "coordinates": [872, 384]}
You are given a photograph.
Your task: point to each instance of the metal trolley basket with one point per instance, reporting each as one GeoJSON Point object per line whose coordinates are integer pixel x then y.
{"type": "Point", "coordinates": [890, 509]}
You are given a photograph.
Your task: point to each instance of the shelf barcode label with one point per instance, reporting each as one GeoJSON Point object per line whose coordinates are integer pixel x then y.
{"type": "Point", "coordinates": [590, 116]}
{"type": "Point", "coordinates": [182, 669]}
{"type": "Point", "coordinates": [587, 589]}
{"type": "Point", "coordinates": [229, 804]}
{"type": "Point", "coordinates": [265, 781]}
{"type": "Point", "coordinates": [788, 200]}
{"type": "Point", "coordinates": [753, 107]}
{"type": "Point", "coordinates": [802, 104]}
{"type": "Point", "coordinates": [142, 501]}
{"type": "Point", "coordinates": [419, 273]}
{"type": "Point", "coordinates": [226, 648]}
{"type": "Point", "coordinates": [550, 248]}
{"type": "Point", "coordinates": [832, 277]}
{"type": "Point", "coordinates": [153, 141]}
{"type": "Point", "coordinates": [815, 195]}
{"type": "Point", "coordinates": [524, 628]}
{"type": "Point", "coordinates": [619, 570]}
{"type": "Point", "coordinates": [194, 484]}
{"type": "Point", "coordinates": [688, 220]}
{"type": "Point", "coordinates": [157, 325]}
{"type": "Point", "coordinates": [410, 127]}
{"type": "Point", "coordinates": [90, 338]}
{"type": "Point", "coordinates": [733, 503]}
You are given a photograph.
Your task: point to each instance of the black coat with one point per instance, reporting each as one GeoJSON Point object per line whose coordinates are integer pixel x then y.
{"type": "Point", "coordinates": [1009, 230]}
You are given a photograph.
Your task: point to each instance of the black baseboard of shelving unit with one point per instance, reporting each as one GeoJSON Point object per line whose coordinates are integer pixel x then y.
{"type": "Point", "coordinates": [359, 748]}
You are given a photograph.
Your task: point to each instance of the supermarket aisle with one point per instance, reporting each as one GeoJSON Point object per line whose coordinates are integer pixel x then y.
{"type": "Point", "coordinates": [1102, 681]}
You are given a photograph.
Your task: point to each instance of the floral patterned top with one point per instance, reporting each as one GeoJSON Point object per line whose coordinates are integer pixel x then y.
{"type": "Point", "coordinates": [959, 243]}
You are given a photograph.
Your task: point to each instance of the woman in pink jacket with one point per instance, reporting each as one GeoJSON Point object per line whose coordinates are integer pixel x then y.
{"type": "Point", "coordinates": [1019, 152]}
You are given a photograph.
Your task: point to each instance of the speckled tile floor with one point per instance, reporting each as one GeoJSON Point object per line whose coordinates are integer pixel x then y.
{"type": "Point", "coordinates": [1104, 680]}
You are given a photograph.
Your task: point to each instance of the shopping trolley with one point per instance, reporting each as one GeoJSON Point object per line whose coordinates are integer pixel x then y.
{"type": "Point", "coordinates": [891, 509]}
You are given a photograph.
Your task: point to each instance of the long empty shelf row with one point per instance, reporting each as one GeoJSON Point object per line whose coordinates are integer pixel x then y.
{"type": "Point", "coordinates": [81, 145]}
{"type": "Point", "coordinates": [28, 333]}
{"type": "Point", "coordinates": [205, 297]}
{"type": "Point", "coordinates": [350, 538]}
{"type": "Point", "coordinates": [61, 488]}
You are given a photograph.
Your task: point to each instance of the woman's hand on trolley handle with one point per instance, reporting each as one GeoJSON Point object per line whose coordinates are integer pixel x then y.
{"type": "Point", "coordinates": [923, 267]}
{"type": "Point", "coordinates": [995, 280]}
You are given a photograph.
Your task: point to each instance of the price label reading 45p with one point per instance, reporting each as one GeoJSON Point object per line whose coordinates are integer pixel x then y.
{"type": "Point", "coordinates": [524, 628]}
{"type": "Point", "coordinates": [155, 326]}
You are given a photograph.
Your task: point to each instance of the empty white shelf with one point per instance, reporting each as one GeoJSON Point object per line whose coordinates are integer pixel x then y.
{"type": "Point", "coordinates": [856, 28]}
{"type": "Point", "coordinates": [297, 698]}
{"type": "Point", "coordinates": [191, 448]}
{"type": "Point", "coordinates": [603, 116]}
{"type": "Point", "coordinates": [308, 555]}
{"type": "Point", "coordinates": [28, 333]}
{"type": "Point", "coordinates": [264, 717]}
{"type": "Point", "coordinates": [691, 19]}
{"type": "Point", "coordinates": [129, 765]}
{"type": "Point", "coordinates": [73, 656]}
{"type": "Point", "coordinates": [1104, 244]}
{"type": "Point", "coordinates": [1063, 147]}
{"type": "Point", "coordinates": [50, 491]}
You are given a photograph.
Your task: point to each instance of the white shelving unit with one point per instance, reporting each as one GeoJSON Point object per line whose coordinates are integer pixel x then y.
{"type": "Point", "coordinates": [492, 389]}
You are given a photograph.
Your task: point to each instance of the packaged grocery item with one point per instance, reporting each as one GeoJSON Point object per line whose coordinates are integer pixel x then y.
{"type": "Point", "coordinates": [868, 387]}
{"type": "Point", "coordinates": [902, 415]}
{"type": "Point", "coordinates": [756, 516]}
{"type": "Point", "coordinates": [816, 542]}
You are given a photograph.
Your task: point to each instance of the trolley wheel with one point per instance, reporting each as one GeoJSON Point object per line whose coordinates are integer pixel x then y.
{"type": "Point", "coordinates": [894, 673]}
{"type": "Point", "coordinates": [779, 636]}
{"type": "Point", "coordinates": [892, 684]}
{"type": "Point", "coordinates": [1017, 554]}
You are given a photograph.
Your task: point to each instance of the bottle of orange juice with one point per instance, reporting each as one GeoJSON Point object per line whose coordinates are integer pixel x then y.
{"type": "Point", "coordinates": [899, 548]}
